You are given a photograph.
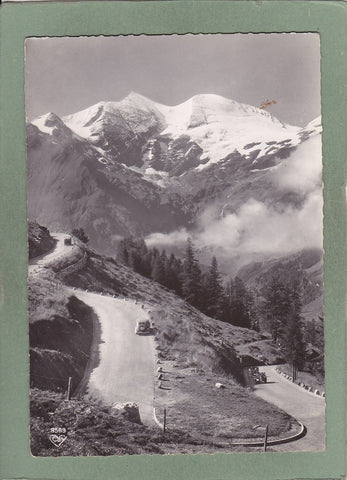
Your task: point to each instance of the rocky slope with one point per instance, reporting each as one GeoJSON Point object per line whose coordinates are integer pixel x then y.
{"type": "Point", "coordinates": [39, 240]}
{"type": "Point", "coordinates": [60, 332]}
{"type": "Point", "coordinates": [305, 267]}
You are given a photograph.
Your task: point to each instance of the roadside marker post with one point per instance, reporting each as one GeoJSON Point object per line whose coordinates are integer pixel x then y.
{"type": "Point", "coordinates": [164, 425]}
{"type": "Point", "coordinates": [68, 394]}
{"type": "Point", "coordinates": [266, 434]}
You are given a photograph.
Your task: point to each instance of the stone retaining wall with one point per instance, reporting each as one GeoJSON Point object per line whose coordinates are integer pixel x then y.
{"type": "Point", "coordinates": [75, 267]}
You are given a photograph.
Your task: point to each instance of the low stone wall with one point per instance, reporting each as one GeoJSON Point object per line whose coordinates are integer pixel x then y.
{"type": "Point", "coordinates": [160, 425]}
{"type": "Point", "coordinates": [75, 267]}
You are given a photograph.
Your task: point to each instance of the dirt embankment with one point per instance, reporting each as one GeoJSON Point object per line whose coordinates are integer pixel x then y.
{"type": "Point", "coordinates": [39, 239]}
{"type": "Point", "coordinates": [60, 347]}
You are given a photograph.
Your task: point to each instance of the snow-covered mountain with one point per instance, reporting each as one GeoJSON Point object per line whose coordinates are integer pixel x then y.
{"type": "Point", "coordinates": [142, 133]}
{"type": "Point", "coordinates": [210, 167]}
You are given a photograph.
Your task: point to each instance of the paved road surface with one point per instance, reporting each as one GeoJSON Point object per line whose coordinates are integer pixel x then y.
{"type": "Point", "coordinates": [60, 249]}
{"type": "Point", "coordinates": [304, 406]}
{"type": "Point", "coordinates": [124, 363]}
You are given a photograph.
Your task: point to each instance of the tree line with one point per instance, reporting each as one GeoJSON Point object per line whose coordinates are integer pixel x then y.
{"type": "Point", "coordinates": [232, 303]}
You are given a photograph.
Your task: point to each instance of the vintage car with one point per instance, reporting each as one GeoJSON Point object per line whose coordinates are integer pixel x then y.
{"type": "Point", "coordinates": [257, 377]}
{"type": "Point", "coordinates": [143, 327]}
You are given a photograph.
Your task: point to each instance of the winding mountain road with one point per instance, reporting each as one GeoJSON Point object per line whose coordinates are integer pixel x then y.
{"type": "Point", "coordinates": [304, 406]}
{"type": "Point", "coordinates": [122, 363]}
{"type": "Point", "coordinates": [59, 250]}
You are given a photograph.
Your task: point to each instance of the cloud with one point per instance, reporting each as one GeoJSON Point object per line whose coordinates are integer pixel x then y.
{"type": "Point", "coordinates": [302, 171]}
{"type": "Point", "coordinates": [258, 230]}
{"type": "Point", "coordinates": [165, 240]}
{"type": "Point", "coordinates": [254, 232]}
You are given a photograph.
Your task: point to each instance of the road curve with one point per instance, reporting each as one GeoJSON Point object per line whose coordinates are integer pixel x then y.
{"type": "Point", "coordinates": [124, 363]}
{"type": "Point", "coordinates": [304, 406]}
{"type": "Point", "coordinates": [59, 250]}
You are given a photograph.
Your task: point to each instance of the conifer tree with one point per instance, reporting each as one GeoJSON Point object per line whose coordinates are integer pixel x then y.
{"type": "Point", "coordinates": [80, 234]}
{"type": "Point", "coordinates": [173, 274]}
{"type": "Point", "coordinates": [143, 264]}
{"type": "Point", "coordinates": [158, 270]}
{"type": "Point", "coordinates": [122, 252]}
{"type": "Point", "coordinates": [213, 291]}
{"type": "Point", "coordinates": [276, 307]}
{"type": "Point", "coordinates": [191, 277]}
{"type": "Point", "coordinates": [292, 332]}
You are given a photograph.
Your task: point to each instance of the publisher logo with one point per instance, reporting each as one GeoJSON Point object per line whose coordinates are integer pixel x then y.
{"type": "Point", "coordinates": [57, 436]}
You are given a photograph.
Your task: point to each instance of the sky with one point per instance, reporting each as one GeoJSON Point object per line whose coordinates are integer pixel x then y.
{"type": "Point", "coordinates": [65, 75]}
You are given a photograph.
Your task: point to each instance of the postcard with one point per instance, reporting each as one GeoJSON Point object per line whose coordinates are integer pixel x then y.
{"type": "Point", "coordinates": [175, 244]}
{"type": "Point", "coordinates": [172, 278]}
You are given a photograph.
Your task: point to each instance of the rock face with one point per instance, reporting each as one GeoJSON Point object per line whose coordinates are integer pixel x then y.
{"type": "Point", "coordinates": [129, 410]}
{"type": "Point", "coordinates": [39, 240]}
{"type": "Point", "coordinates": [60, 346]}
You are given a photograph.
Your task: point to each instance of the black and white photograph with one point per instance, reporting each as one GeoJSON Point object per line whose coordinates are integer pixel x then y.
{"type": "Point", "coordinates": [175, 238]}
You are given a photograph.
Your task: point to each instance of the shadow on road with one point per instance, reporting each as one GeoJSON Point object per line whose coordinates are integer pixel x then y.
{"type": "Point", "coordinates": [94, 357]}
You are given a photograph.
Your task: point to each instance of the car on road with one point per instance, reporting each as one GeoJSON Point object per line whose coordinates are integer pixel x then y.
{"type": "Point", "coordinates": [257, 377]}
{"type": "Point", "coordinates": [143, 327]}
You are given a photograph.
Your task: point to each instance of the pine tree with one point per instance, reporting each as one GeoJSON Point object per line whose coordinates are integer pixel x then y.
{"type": "Point", "coordinates": [239, 308]}
{"type": "Point", "coordinates": [191, 277]}
{"type": "Point", "coordinates": [158, 270]}
{"type": "Point", "coordinates": [173, 274]}
{"type": "Point", "coordinates": [213, 291]}
{"type": "Point", "coordinates": [122, 252]}
{"type": "Point", "coordinates": [252, 310]}
{"type": "Point", "coordinates": [80, 234]}
{"type": "Point", "coordinates": [276, 307]}
{"type": "Point", "coordinates": [292, 332]}
{"type": "Point", "coordinates": [143, 262]}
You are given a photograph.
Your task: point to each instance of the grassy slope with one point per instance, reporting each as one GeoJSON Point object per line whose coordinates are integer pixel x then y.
{"type": "Point", "coordinates": [92, 430]}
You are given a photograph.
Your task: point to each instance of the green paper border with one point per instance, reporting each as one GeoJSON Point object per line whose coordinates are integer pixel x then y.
{"type": "Point", "coordinates": [114, 18]}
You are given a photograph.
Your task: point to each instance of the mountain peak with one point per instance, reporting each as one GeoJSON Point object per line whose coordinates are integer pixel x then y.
{"type": "Point", "coordinates": [48, 122]}
{"type": "Point", "coordinates": [315, 124]}
{"type": "Point", "coordinates": [134, 99]}
{"type": "Point", "coordinates": [136, 96]}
